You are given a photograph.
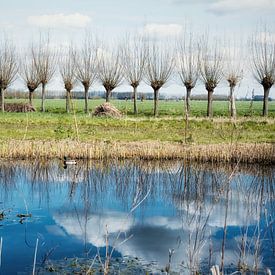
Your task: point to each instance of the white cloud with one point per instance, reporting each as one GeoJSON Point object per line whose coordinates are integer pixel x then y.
{"type": "Point", "coordinates": [115, 221]}
{"type": "Point", "coordinates": [229, 6]}
{"type": "Point", "coordinates": [75, 20]}
{"type": "Point", "coordinates": [167, 222]}
{"type": "Point", "coordinates": [162, 29]}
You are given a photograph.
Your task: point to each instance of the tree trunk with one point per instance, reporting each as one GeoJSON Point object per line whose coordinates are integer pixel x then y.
{"type": "Point", "coordinates": [2, 99]}
{"type": "Point", "coordinates": [43, 97]}
{"type": "Point", "coordinates": [188, 95]}
{"type": "Point", "coordinates": [232, 107]}
{"type": "Point", "coordinates": [68, 99]}
{"type": "Point", "coordinates": [135, 101]}
{"type": "Point", "coordinates": [265, 103]}
{"type": "Point", "coordinates": [86, 90]}
{"type": "Point", "coordinates": [209, 103]}
{"type": "Point", "coordinates": [156, 102]}
{"type": "Point", "coordinates": [30, 96]}
{"type": "Point", "coordinates": [108, 94]}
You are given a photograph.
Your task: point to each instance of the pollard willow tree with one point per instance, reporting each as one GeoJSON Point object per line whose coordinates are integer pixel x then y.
{"type": "Point", "coordinates": [110, 70]}
{"type": "Point", "coordinates": [233, 73]}
{"type": "Point", "coordinates": [188, 65]}
{"type": "Point", "coordinates": [8, 69]}
{"type": "Point", "coordinates": [263, 63]}
{"type": "Point", "coordinates": [45, 62]}
{"type": "Point", "coordinates": [29, 73]}
{"type": "Point", "coordinates": [86, 66]}
{"type": "Point", "coordinates": [134, 56]}
{"type": "Point", "coordinates": [159, 68]}
{"type": "Point", "coordinates": [211, 69]}
{"type": "Point", "coordinates": [67, 71]}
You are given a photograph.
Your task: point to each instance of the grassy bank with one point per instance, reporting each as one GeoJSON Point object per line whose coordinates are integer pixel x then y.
{"type": "Point", "coordinates": [55, 134]}
{"type": "Point", "coordinates": [56, 127]}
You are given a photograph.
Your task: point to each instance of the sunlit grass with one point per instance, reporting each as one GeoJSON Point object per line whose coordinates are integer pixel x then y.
{"type": "Point", "coordinates": [166, 108]}
{"type": "Point", "coordinates": [55, 124]}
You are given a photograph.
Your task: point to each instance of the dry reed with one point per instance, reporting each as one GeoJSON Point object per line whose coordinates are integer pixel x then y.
{"type": "Point", "coordinates": [230, 153]}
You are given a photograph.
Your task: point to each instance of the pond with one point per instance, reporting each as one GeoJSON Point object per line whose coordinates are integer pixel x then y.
{"type": "Point", "coordinates": [133, 217]}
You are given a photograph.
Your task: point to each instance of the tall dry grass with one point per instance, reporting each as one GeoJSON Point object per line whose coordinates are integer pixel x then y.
{"type": "Point", "coordinates": [230, 153]}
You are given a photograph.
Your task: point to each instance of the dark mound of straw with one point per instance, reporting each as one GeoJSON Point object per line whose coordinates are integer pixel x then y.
{"type": "Point", "coordinates": [19, 107]}
{"type": "Point", "coordinates": [107, 109]}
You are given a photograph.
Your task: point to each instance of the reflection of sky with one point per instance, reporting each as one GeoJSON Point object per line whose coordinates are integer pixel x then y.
{"type": "Point", "coordinates": [59, 221]}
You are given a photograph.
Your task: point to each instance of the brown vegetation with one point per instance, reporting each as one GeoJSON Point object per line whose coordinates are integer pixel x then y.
{"type": "Point", "coordinates": [216, 153]}
{"type": "Point", "coordinates": [19, 107]}
{"type": "Point", "coordinates": [107, 109]}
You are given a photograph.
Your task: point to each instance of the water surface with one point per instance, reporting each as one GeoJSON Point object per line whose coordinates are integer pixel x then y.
{"type": "Point", "coordinates": [145, 209]}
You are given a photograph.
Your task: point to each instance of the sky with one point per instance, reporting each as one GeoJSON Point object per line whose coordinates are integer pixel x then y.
{"type": "Point", "coordinates": [70, 20]}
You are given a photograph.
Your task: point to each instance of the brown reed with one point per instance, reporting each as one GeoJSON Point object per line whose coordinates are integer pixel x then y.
{"type": "Point", "coordinates": [147, 150]}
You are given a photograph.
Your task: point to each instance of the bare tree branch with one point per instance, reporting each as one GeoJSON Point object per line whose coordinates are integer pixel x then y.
{"type": "Point", "coordinates": [45, 62]}
{"type": "Point", "coordinates": [188, 62]}
{"type": "Point", "coordinates": [110, 70]}
{"type": "Point", "coordinates": [211, 69]}
{"type": "Point", "coordinates": [263, 63]}
{"type": "Point", "coordinates": [160, 67]}
{"type": "Point", "coordinates": [133, 59]}
{"type": "Point", "coordinates": [67, 70]}
{"type": "Point", "coordinates": [233, 72]}
{"type": "Point", "coordinates": [86, 65]}
{"type": "Point", "coordinates": [8, 68]}
{"type": "Point", "coordinates": [29, 73]}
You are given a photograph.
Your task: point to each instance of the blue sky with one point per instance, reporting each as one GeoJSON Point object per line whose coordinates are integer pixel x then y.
{"type": "Point", "coordinates": [70, 19]}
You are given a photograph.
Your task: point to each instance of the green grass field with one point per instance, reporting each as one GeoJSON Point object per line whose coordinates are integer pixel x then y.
{"type": "Point", "coordinates": [166, 108]}
{"type": "Point", "coordinates": [55, 124]}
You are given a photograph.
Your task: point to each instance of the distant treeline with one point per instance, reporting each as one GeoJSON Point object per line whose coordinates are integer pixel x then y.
{"type": "Point", "coordinates": [58, 94]}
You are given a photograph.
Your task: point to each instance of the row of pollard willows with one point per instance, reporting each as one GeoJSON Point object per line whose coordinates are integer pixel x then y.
{"type": "Point", "coordinates": [136, 60]}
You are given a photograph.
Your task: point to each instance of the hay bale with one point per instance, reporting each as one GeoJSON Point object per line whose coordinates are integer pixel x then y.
{"type": "Point", "coordinates": [107, 109]}
{"type": "Point", "coordinates": [19, 107]}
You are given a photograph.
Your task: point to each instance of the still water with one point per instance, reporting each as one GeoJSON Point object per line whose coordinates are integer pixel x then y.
{"type": "Point", "coordinates": [151, 216]}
